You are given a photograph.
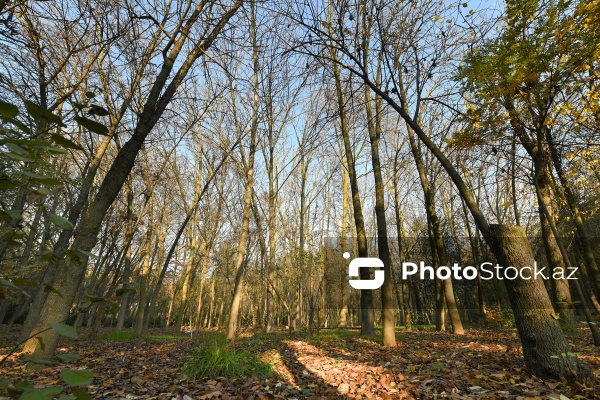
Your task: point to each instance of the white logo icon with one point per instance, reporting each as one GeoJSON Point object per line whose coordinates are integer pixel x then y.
{"type": "Point", "coordinates": [366, 262]}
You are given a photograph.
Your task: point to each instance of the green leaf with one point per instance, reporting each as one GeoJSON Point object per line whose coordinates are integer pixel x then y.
{"type": "Point", "coordinates": [61, 222]}
{"type": "Point", "coordinates": [18, 235]}
{"type": "Point", "coordinates": [24, 386]}
{"type": "Point", "coordinates": [27, 142]}
{"type": "Point", "coordinates": [16, 149]}
{"type": "Point", "coordinates": [13, 214]}
{"type": "Point", "coordinates": [9, 284]}
{"type": "Point", "coordinates": [92, 125]}
{"type": "Point", "coordinates": [24, 282]}
{"type": "Point", "coordinates": [122, 291]}
{"type": "Point", "coordinates": [76, 377]}
{"type": "Point", "coordinates": [43, 394]}
{"type": "Point", "coordinates": [56, 150]}
{"type": "Point", "coordinates": [87, 253]}
{"type": "Point", "coordinates": [16, 123]}
{"type": "Point", "coordinates": [8, 184]}
{"type": "Point", "coordinates": [438, 365]}
{"type": "Point", "coordinates": [67, 397]}
{"type": "Point", "coordinates": [12, 392]}
{"type": "Point", "coordinates": [18, 157]}
{"type": "Point", "coordinates": [94, 299]}
{"type": "Point", "coordinates": [49, 288]}
{"type": "Point", "coordinates": [14, 243]}
{"type": "Point", "coordinates": [41, 114]}
{"type": "Point", "coordinates": [64, 142]}
{"type": "Point", "coordinates": [33, 176]}
{"type": "Point", "coordinates": [64, 330]}
{"type": "Point", "coordinates": [52, 181]}
{"type": "Point", "coordinates": [8, 110]}
{"type": "Point", "coordinates": [68, 357]}
{"type": "Point", "coordinates": [81, 394]}
{"type": "Point", "coordinates": [41, 179]}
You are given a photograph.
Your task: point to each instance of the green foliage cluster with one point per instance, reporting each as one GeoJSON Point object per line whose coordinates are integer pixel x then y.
{"type": "Point", "coordinates": [32, 142]}
{"type": "Point", "coordinates": [540, 61]}
{"type": "Point", "coordinates": [73, 378]}
{"type": "Point", "coordinates": [216, 357]}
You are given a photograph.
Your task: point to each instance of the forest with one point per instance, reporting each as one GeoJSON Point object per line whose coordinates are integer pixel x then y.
{"type": "Point", "coordinates": [299, 199]}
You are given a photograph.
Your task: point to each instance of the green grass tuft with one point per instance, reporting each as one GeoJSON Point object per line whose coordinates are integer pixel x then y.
{"type": "Point", "coordinates": [117, 336]}
{"type": "Point", "coordinates": [218, 358]}
{"type": "Point", "coordinates": [167, 337]}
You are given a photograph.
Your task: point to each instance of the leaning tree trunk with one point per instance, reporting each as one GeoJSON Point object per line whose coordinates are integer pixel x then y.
{"type": "Point", "coordinates": [444, 290]}
{"type": "Point", "coordinates": [56, 307]}
{"type": "Point", "coordinates": [545, 350]}
{"type": "Point", "coordinates": [539, 332]}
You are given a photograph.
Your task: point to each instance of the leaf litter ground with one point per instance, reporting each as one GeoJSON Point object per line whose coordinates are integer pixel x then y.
{"type": "Point", "coordinates": [330, 364]}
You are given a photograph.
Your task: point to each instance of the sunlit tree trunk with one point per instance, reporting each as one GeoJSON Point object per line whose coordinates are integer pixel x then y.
{"type": "Point", "coordinates": [249, 166]}
{"type": "Point", "coordinates": [367, 317]}
{"type": "Point", "coordinates": [129, 231]}
{"type": "Point", "coordinates": [374, 129]}
{"type": "Point", "coordinates": [343, 315]}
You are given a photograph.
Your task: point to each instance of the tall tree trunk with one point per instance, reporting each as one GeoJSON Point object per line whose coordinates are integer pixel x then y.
{"type": "Point", "coordinates": [343, 315]}
{"type": "Point", "coordinates": [476, 259]}
{"type": "Point", "coordinates": [191, 262]}
{"type": "Point", "coordinates": [243, 240]}
{"type": "Point", "coordinates": [145, 272]}
{"type": "Point", "coordinates": [445, 292]}
{"type": "Point", "coordinates": [387, 290]}
{"type": "Point", "coordinates": [367, 315]}
{"type": "Point", "coordinates": [129, 231]}
{"type": "Point", "coordinates": [304, 164]}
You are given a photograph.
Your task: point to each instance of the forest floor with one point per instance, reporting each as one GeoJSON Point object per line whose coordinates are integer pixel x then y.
{"type": "Point", "coordinates": [330, 364]}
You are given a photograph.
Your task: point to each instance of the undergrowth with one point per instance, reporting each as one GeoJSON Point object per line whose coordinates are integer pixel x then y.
{"type": "Point", "coordinates": [216, 358]}
{"type": "Point", "coordinates": [117, 336]}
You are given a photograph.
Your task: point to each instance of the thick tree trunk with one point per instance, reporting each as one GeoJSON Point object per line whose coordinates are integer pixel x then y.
{"type": "Point", "coordinates": [545, 350]}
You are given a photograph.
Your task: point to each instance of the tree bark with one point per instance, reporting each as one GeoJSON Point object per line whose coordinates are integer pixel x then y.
{"type": "Point", "coordinates": [367, 316]}
{"type": "Point", "coordinates": [545, 351]}
{"type": "Point", "coordinates": [241, 252]}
